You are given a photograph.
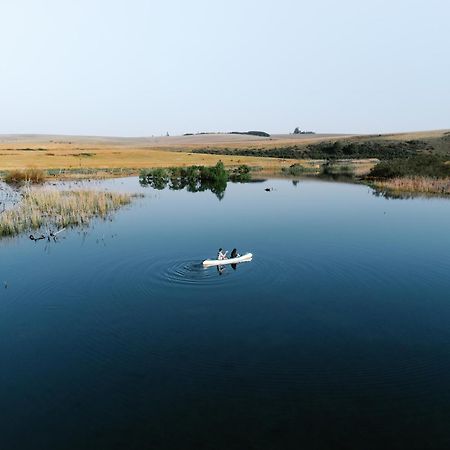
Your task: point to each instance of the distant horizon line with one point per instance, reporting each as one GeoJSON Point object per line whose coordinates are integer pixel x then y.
{"type": "Point", "coordinates": [204, 133]}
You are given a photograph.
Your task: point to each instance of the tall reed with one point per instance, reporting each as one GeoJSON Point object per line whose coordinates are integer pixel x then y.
{"type": "Point", "coordinates": [24, 176]}
{"type": "Point", "coordinates": [58, 209]}
{"type": "Point", "coordinates": [416, 184]}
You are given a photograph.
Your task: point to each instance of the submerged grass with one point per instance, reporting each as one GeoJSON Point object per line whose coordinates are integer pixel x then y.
{"type": "Point", "coordinates": [50, 208]}
{"type": "Point", "coordinates": [424, 185]}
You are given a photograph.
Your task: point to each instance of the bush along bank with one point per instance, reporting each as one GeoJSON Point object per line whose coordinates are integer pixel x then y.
{"type": "Point", "coordinates": [426, 174]}
{"type": "Point", "coordinates": [420, 165]}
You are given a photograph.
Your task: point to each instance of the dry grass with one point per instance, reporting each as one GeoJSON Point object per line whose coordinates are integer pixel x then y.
{"type": "Point", "coordinates": [51, 208]}
{"type": "Point", "coordinates": [416, 184]}
{"type": "Point", "coordinates": [23, 176]}
{"type": "Point", "coordinates": [71, 152]}
{"type": "Point", "coordinates": [128, 159]}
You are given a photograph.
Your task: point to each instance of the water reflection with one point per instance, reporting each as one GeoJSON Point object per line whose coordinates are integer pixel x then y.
{"type": "Point", "coordinates": [399, 195]}
{"type": "Point", "coordinates": [221, 269]}
{"type": "Point", "coordinates": [196, 178]}
{"type": "Point", "coordinates": [191, 185]}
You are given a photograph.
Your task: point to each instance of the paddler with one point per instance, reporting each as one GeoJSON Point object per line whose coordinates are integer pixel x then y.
{"type": "Point", "coordinates": [222, 254]}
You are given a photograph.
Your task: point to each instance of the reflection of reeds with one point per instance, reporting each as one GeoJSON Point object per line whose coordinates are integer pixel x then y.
{"type": "Point", "coordinates": [417, 184]}
{"type": "Point", "coordinates": [59, 209]}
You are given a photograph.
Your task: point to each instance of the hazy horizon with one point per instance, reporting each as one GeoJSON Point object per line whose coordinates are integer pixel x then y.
{"type": "Point", "coordinates": [140, 68]}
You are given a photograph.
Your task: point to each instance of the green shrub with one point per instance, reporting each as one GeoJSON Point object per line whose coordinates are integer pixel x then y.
{"type": "Point", "coordinates": [342, 149]}
{"type": "Point", "coordinates": [298, 169]}
{"type": "Point", "coordinates": [240, 173]}
{"type": "Point", "coordinates": [421, 165]}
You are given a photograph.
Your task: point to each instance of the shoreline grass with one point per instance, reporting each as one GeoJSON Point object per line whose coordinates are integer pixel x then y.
{"type": "Point", "coordinates": [422, 185]}
{"type": "Point", "coordinates": [32, 175]}
{"type": "Point", "coordinates": [59, 209]}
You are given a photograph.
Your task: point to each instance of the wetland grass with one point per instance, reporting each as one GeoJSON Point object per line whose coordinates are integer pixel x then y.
{"type": "Point", "coordinates": [425, 185]}
{"type": "Point", "coordinates": [35, 176]}
{"type": "Point", "coordinates": [58, 209]}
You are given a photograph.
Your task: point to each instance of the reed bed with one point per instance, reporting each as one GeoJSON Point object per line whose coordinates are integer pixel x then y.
{"type": "Point", "coordinates": [47, 208]}
{"type": "Point", "coordinates": [424, 185]}
{"type": "Point", "coordinates": [25, 176]}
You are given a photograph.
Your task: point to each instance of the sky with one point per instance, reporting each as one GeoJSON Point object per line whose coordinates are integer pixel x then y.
{"type": "Point", "coordinates": [143, 68]}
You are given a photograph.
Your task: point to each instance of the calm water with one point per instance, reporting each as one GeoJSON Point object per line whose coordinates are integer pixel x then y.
{"type": "Point", "coordinates": [336, 335]}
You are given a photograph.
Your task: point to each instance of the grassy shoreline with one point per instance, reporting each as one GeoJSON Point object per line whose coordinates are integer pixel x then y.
{"type": "Point", "coordinates": [369, 159]}
{"type": "Point", "coordinates": [410, 185]}
{"type": "Point", "coordinates": [53, 209]}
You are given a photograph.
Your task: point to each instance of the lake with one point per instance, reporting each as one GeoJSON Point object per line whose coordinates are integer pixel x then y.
{"type": "Point", "coordinates": [335, 336]}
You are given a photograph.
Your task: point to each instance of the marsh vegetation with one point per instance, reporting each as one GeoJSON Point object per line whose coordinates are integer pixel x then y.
{"type": "Point", "coordinates": [55, 209]}
{"type": "Point", "coordinates": [427, 174]}
{"type": "Point", "coordinates": [425, 185]}
{"type": "Point", "coordinates": [18, 177]}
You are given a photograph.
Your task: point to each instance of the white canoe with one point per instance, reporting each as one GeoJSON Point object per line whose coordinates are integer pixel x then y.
{"type": "Point", "coordinates": [222, 262]}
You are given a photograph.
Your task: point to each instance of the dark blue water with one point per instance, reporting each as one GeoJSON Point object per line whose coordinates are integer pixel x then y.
{"type": "Point", "coordinates": [335, 336]}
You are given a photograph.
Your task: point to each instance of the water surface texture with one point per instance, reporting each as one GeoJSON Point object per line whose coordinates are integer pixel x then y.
{"type": "Point", "coordinates": [335, 336]}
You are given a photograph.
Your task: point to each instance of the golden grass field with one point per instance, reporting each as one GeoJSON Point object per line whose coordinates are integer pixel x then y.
{"type": "Point", "coordinates": [78, 152]}
{"type": "Point", "coordinates": [131, 154]}
{"type": "Point", "coordinates": [124, 159]}
{"type": "Point", "coordinates": [84, 152]}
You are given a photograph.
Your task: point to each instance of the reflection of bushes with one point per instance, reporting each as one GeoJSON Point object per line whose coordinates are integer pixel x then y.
{"type": "Point", "coordinates": [421, 165]}
{"type": "Point", "coordinates": [194, 178]}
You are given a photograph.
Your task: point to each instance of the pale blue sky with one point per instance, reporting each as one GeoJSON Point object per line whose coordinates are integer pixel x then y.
{"type": "Point", "coordinates": [138, 68]}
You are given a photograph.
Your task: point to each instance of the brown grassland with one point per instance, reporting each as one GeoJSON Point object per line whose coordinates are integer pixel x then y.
{"type": "Point", "coordinates": [128, 155]}
{"type": "Point", "coordinates": [78, 152]}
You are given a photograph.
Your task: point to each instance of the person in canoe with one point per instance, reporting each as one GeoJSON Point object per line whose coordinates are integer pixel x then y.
{"type": "Point", "coordinates": [221, 254]}
{"type": "Point", "coordinates": [234, 253]}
